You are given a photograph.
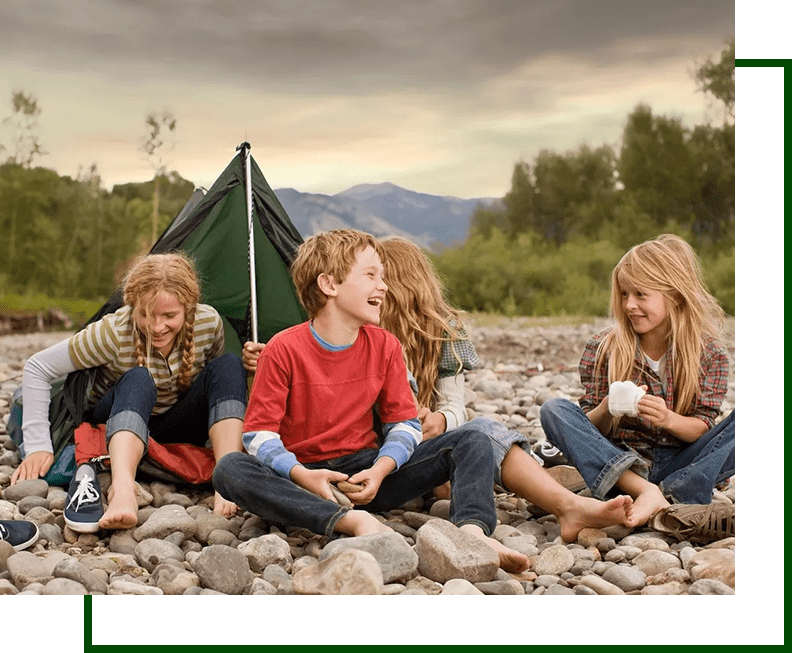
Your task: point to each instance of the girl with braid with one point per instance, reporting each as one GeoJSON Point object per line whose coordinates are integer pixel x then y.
{"type": "Point", "coordinates": [160, 373]}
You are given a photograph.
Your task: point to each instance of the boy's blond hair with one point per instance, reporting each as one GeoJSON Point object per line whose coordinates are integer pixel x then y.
{"type": "Point", "coordinates": [332, 253]}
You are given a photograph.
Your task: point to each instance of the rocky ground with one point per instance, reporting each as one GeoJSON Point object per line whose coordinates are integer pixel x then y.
{"type": "Point", "coordinates": [181, 547]}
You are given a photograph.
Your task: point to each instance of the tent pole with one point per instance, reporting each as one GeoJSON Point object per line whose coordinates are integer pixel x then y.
{"type": "Point", "coordinates": [245, 147]}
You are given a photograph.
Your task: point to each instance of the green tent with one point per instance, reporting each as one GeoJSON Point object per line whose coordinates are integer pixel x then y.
{"type": "Point", "coordinates": [215, 233]}
{"type": "Point", "coordinates": [214, 228]}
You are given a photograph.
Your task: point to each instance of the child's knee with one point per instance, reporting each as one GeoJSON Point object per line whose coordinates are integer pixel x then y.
{"type": "Point", "coordinates": [553, 407]}
{"type": "Point", "coordinates": [139, 379]}
{"type": "Point", "coordinates": [228, 363]}
{"type": "Point", "coordinates": [228, 467]}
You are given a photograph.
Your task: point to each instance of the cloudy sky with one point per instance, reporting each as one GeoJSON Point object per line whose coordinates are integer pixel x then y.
{"type": "Point", "coordinates": [439, 96]}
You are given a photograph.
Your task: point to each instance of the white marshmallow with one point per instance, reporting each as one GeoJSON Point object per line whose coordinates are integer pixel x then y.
{"type": "Point", "coordinates": [623, 398]}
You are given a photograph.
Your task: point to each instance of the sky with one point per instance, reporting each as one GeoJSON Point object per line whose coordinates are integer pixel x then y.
{"type": "Point", "coordinates": [437, 96]}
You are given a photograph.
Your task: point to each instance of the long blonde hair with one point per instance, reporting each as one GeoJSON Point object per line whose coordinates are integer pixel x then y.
{"type": "Point", "coordinates": [174, 273]}
{"type": "Point", "coordinates": [666, 264]}
{"type": "Point", "coordinates": [416, 312]}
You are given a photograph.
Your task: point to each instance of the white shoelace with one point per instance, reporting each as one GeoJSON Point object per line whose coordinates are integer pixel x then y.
{"type": "Point", "coordinates": [85, 493]}
{"type": "Point", "coordinates": [3, 533]}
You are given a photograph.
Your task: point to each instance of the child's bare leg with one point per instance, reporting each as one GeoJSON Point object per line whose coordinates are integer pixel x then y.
{"type": "Point", "coordinates": [525, 477]}
{"type": "Point", "coordinates": [126, 450]}
{"type": "Point", "coordinates": [509, 559]}
{"type": "Point", "coordinates": [226, 437]}
{"type": "Point", "coordinates": [648, 498]}
{"type": "Point", "coordinates": [360, 522]}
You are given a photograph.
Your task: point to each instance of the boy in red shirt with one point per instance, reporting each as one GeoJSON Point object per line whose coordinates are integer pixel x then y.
{"type": "Point", "coordinates": [309, 420]}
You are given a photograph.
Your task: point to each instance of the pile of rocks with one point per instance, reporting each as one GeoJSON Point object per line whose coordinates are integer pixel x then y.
{"type": "Point", "coordinates": [181, 547]}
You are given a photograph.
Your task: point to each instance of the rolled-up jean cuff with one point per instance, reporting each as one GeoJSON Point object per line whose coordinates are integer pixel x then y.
{"type": "Point", "coordinates": [612, 472]}
{"type": "Point", "coordinates": [331, 524]}
{"type": "Point", "coordinates": [500, 454]}
{"type": "Point", "coordinates": [501, 439]}
{"type": "Point", "coordinates": [127, 420]}
{"type": "Point", "coordinates": [226, 409]}
{"type": "Point", "coordinates": [475, 522]}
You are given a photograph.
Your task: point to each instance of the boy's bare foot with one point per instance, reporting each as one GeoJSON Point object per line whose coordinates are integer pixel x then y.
{"type": "Point", "coordinates": [122, 508]}
{"type": "Point", "coordinates": [509, 559]}
{"type": "Point", "coordinates": [646, 504]}
{"type": "Point", "coordinates": [592, 513]}
{"type": "Point", "coordinates": [359, 522]}
{"type": "Point", "coordinates": [442, 491]}
{"type": "Point", "coordinates": [224, 507]}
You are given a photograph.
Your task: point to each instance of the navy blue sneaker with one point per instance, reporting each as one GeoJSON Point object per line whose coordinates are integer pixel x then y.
{"type": "Point", "coordinates": [549, 454]}
{"type": "Point", "coordinates": [83, 508]}
{"type": "Point", "coordinates": [19, 534]}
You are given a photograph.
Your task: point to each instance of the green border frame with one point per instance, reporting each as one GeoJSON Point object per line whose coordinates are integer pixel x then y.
{"type": "Point", "coordinates": [753, 616]}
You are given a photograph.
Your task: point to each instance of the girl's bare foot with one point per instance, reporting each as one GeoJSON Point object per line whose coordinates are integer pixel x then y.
{"type": "Point", "coordinates": [122, 508]}
{"type": "Point", "coordinates": [360, 522]}
{"type": "Point", "coordinates": [509, 559]}
{"type": "Point", "coordinates": [592, 513]}
{"type": "Point", "coordinates": [646, 504]}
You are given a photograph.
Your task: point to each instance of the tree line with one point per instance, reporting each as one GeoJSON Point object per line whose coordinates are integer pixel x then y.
{"type": "Point", "coordinates": [550, 246]}
{"type": "Point", "coordinates": [68, 237]}
{"type": "Point", "coordinates": [547, 249]}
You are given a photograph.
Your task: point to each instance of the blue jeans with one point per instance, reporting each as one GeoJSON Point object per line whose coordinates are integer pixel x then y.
{"type": "Point", "coordinates": [218, 392]}
{"type": "Point", "coordinates": [501, 439]}
{"type": "Point", "coordinates": [684, 474]}
{"type": "Point", "coordinates": [462, 456]}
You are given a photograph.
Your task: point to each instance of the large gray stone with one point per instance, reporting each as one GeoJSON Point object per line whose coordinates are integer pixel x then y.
{"type": "Point", "coordinates": [267, 550]}
{"type": "Point", "coordinates": [74, 570]}
{"type": "Point", "coordinates": [58, 586]}
{"type": "Point", "coordinates": [396, 558]}
{"type": "Point", "coordinates": [26, 568]}
{"type": "Point", "coordinates": [446, 552]}
{"type": "Point", "coordinates": [626, 577]}
{"type": "Point", "coordinates": [164, 521]}
{"type": "Point", "coordinates": [31, 487]}
{"type": "Point", "coordinates": [223, 569]}
{"type": "Point", "coordinates": [654, 561]}
{"type": "Point", "coordinates": [349, 572]}
{"type": "Point", "coordinates": [460, 587]}
{"type": "Point", "coordinates": [554, 560]}
{"type": "Point", "coordinates": [151, 552]}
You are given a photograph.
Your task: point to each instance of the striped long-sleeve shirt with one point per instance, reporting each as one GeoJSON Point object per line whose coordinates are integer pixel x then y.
{"type": "Point", "coordinates": [108, 345]}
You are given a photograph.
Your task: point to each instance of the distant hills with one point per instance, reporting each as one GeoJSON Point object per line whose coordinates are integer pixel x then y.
{"type": "Point", "coordinates": [384, 209]}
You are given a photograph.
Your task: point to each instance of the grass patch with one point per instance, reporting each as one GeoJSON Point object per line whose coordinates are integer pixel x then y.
{"type": "Point", "coordinates": [480, 319]}
{"type": "Point", "coordinates": [79, 310]}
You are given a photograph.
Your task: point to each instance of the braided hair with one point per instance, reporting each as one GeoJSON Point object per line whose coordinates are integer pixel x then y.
{"type": "Point", "coordinates": [154, 274]}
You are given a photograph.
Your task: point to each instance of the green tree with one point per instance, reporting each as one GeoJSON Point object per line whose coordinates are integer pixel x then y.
{"type": "Point", "coordinates": [716, 78]}
{"type": "Point", "coordinates": [486, 218]}
{"type": "Point", "coordinates": [24, 127]}
{"type": "Point", "coordinates": [519, 200]}
{"type": "Point", "coordinates": [712, 153]}
{"type": "Point", "coordinates": [157, 139]}
{"type": "Point", "coordinates": [656, 167]}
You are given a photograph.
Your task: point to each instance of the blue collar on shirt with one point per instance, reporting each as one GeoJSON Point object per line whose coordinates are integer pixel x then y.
{"type": "Point", "coordinates": [324, 344]}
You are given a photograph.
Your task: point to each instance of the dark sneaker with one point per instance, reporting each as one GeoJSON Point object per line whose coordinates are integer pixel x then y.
{"type": "Point", "coordinates": [83, 501]}
{"type": "Point", "coordinates": [550, 454]}
{"type": "Point", "coordinates": [19, 534]}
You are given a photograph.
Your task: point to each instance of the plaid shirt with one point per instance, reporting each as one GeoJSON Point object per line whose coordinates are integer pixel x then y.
{"type": "Point", "coordinates": [637, 433]}
{"type": "Point", "coordinates": [455, 356]}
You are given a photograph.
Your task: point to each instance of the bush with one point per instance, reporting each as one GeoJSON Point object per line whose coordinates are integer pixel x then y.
{"type": "Point", "coordinates": [529, 276]}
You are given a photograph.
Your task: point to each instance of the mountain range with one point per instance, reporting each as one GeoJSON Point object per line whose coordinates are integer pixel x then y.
{"type": "Point", "coordinates": [431, 221]}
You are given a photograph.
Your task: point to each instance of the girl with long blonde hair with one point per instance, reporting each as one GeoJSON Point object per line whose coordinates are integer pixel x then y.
{"type": "Point", "coordinates": [437, 350]}
{"type": "Point", "coordinates": [160, 371]}
{"type": "Point", "coordinates": [662, 349]}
